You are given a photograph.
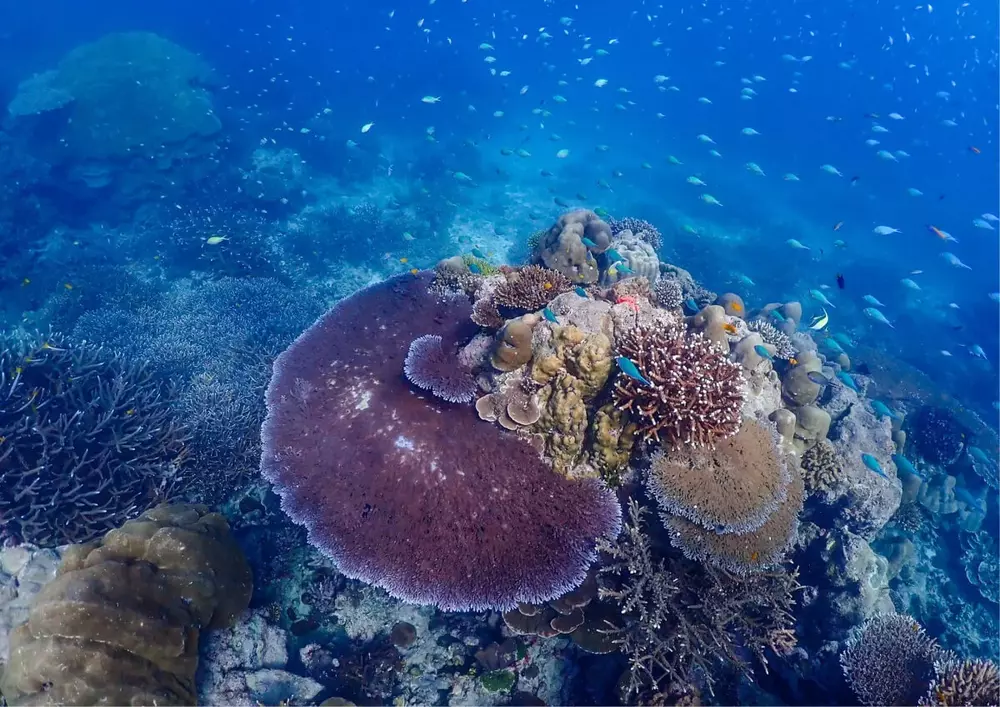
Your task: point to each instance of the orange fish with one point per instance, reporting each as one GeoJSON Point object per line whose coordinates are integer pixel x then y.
{"type": "Point", "coordinates": [414, 271]}
{"type": "Point", "coordinates": [736, 306]}
{"type": "Point", "coordinates": [793, 361]}
{"type": "Point", "coordinates": [975, 150]}
{"type": "Point", "coordinates": [839, 224]}
{"type": "Point", "coordinates": [730, 328]}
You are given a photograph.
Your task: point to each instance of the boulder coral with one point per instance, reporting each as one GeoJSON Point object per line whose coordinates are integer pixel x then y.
{"type": "Point", "coordinates": [405, 492]}
{"type": "Point", "coordinates": [565, 248]}
{"type": "Point", "coordinates": [126, 95]}
{"type": "Point", "coordinates": [120, 622]}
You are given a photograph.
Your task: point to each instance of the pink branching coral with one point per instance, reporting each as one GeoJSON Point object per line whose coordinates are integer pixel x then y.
{"type": "Point", "coordinates": [409, 493]}
{"type": "Point", "coordinates": [430, 367]}
{"type": "Point", "coordinates": [694, 394]}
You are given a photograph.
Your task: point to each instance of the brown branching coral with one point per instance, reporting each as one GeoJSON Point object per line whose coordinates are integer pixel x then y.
{"type": "Point", "coordinates": [694, 395]}
{"type": "Point", "coordinates": [530, 288]}
{"type": "Point", "coordinates": [733, 488]}
{"type": "Point", "coordinates": [969, 682]}
{"type": "Point", "coordinates": [684, 619]}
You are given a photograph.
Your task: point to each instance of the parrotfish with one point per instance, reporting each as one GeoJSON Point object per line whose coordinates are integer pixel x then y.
{"type": "Point", "coordinates": [630, 370]}
{"type": "Point", "coordinates": [847, 380]}
{"type": "Point", "coordinates": [691, 304]}
{"type": "Point", "coordinates": [475, 269]}
{"type": "Point", "coordinates": [550, 315]}
{"type": "Point", "coordinates": [872, 463]}
{"type": "Point", "coordinates": [903, 464]}
{"type": "Point", "coordinates": [762, 351]}
{"type": "Point", "coordinates": [877, 316]}
{"type": "Point", "coordinates": [882, 410]}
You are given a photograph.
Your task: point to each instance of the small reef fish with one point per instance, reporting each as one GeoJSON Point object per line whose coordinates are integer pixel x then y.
{"type": "Point", "coordinates": [910, 284]}
{"type": "Point", "coordinates": [580, 292]}
{"type": "Point", "coordinates": [877, 316]}
{"type": "Point", "coordinates": [479, 254]}
{"type": "Point", "coordinates": [475, 269]}
{"type": "Point", "coordinates": [366, 127]}
{"type": "Point", "coordinates": [549, 315]}
{"type": "Point", "coordinates": [431, 99]}
{"type": "Point", "coordinates": [886, 155]}
{"type": "Point", "coordinates": [845, 378]}
{"type": "Point", "coordinates": [755, 168]}
{"type": "Point", "coordinates": [697, 182]}
{"type": "Point", "coordinates": [749, 131]}
{"type": "Point", "coordinates": [673, 160]}
{"type": "Point", "coordinates": [977, 351]}
{"type": "Point", "coordinates": [872, 301]}
{"type": "Point", "coordinates": [965, 496]}
{"type": "Point", "coordinates": [954, 261]}
{"type": "Point", "coordinates": [820, 322]}
{"type": "Point", "coordinates": [709, 199]}
{"type": "Point", "coordinates": [979, 455]}
{"type": "Point", "coordinates": [914, 192]}
{"type": "Point", "coordinates": [903, 464]}
{"type": "Point", "coordinates": [885, 230]}
{"type": "Point", "coordinates": [790, 177]}
{"type": "Point", "coordinates": [872, 463]}
{"type": "Point", "coordinates": [691, 305]}
{"type": "Point", "coordinates": [216, 240]}
{"type": "Point", "coordinates": [629, 369]}
{"type": "Point", "coordinates": [777, 315]}
{"type": "Point", "coordinates": [762, 351]}
{"type": "Point", "coordinates": [830, 169]}
{"type": "Point", "coordinates": [821, 298]}
{"type": "Point", "coordinates": [796, 244]}
{"type": "Point", "coordinates": [706, 139]}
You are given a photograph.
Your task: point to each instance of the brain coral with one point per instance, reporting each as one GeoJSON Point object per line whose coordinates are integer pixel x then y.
{"type": "Point", "coordinates": [695, 392]}
{"type": "Point", "coordinates": [404, 492]}
{"type": "Point", "coordinates": [734, 487]}
{"type": "Point", "coordinates": [563, 247]}
{"type": "Point", "coordinates": [133, 94]}
{"type": "Point", "coordinates": [119, 624]}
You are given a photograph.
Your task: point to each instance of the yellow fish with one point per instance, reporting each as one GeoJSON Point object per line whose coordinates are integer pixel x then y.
{"type": "Point", "coordinates": [215, 240]}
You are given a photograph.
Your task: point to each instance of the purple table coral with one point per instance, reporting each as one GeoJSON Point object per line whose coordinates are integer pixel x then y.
{"type": "Point", "coordinates": [406, 491]}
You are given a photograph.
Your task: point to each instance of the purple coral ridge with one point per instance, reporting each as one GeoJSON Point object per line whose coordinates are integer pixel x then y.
{"type": "Point", "coordinates": [407, 492]}
{"type": "Point", "coordinates": [427, 366]}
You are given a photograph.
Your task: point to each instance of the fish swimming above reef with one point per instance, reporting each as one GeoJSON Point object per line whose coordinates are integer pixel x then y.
{"type": "Point", "coordinates": [903, 464]}
{"type": "Point", "coordinates": [819, 322]}
{"type": "Point", "coordinates": [872, 463]}
{"type": "Point", "coordinates": [821, 298]}
{"type": "Point", "coordinates": [876, 316]}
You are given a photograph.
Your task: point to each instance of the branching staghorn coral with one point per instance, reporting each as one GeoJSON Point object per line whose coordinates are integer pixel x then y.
{"type": "Point", "coordinates": [695, 393]}
{"type": "Point", "coordinates": [684, 619]}
{"type": "Point", "coordinates": [86, 440]}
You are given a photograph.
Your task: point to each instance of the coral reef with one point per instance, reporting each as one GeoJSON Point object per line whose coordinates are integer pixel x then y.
{"type": "Point", "coordinates": [429, 367]}
{"type": "Point", "coordinates": [639, 256]}
{"type": "Point", "coordinates": [937, 435]}
{"type": "Point", "coordinates": [565, 248]}
{"type": "Point", "coordinates": [421, 508]}
{"type": "Point", "coordinates": [784, 349]}
{"type": "Point", "coordinates": [641, 228]}
{"type": "Point", "coordinates": [731, 488]}
{"type": "Point", "coordinates": [694, 394]}
{"type": "Point", "coordinates": [889, 661]}
{"type": "Point", "coordinates": [120, 622]}
{"type": "Point", "coordinates": [822, 471]}
{"type": "Point", "coordinates": [668, 293]}
{"type": "Point", "coordinates": [86, 440]}
{"type": "Point", "coordinates": [982, 564]}
{"type": "Point", "coordinates": [968, 682]}
{"type": "Point", "coordinates": [123, 96]}
{"type": "Point", "coordinates": [528, 289]}
{"type": "Point", "coordinates": [513, 346]}
{"type": "Point", "coordinates": [683, 619]}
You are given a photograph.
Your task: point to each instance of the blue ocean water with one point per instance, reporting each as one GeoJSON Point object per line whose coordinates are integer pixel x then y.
{"type": "Point", "coordinates": [792, 151]}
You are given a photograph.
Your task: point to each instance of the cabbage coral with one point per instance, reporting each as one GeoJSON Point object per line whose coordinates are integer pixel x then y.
{"type": "Point", "coordinates": [694, 396]}
{"type": "Point", "coordinates": [734, 487]}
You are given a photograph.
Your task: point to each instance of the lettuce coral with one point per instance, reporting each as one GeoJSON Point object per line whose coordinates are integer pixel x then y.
{"type": "Point", "coordinates": [409, 494]}
{"type": "Point", "coordinates": [734, 487]}
{"type": "Point", "coordinates": [120, 622]}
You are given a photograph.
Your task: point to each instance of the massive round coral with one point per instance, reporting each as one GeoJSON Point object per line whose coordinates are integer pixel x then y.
{"type": "Point", "coordinates": [694, 395]}
{"type": "Point", "coordinates": [405, 491]}
{"type": "Point", "coordinates": [733, 488]}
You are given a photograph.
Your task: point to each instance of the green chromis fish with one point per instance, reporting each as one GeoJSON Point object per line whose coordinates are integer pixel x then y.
{"type": "Point", "coordinates": [588, 242]}
{"type": "Point", "coordinates": [475, 269]}
{"type": "Point", "coordinates": [872, 463]}
{"type": "Point", "coordinates": [550, 315]}
{"type": "Point", "coordinates": [580, 291]}
{"type": "Point", "coordinates": [762, 351]}
{"type": "Point", "coordinates": [479, 254]}
{"type": "Point", "coordinates": [630, 370]}
{"type": "Point", "coordinates": [602, 212]}
{"type": "Point", "coordinates": [613, 255]}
